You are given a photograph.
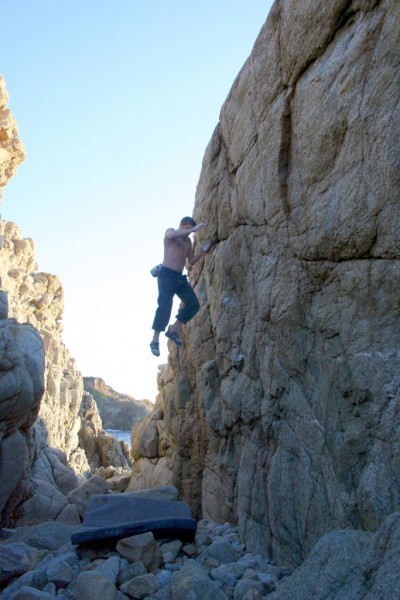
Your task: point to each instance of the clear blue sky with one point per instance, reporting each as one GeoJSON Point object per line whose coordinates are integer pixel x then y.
{"type": "Point", "coordinates": [115, 103]}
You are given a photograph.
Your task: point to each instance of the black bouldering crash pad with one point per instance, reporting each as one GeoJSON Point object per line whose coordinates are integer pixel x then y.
{"type": "Point", "coordinates": [115, 516]}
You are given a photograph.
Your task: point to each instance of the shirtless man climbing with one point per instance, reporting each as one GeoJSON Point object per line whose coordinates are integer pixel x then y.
{"type": "Point", "coordinates": [177, 249]}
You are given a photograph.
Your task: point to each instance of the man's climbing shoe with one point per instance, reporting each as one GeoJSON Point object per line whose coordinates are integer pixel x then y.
{"type": "Point", "coordinates": [155, 348]}
{"type": "Point", "coordinates": [172, 335]}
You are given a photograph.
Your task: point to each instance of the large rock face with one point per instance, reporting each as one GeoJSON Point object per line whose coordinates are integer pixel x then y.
{"type": "Point", "coordinates": [21, 389]}
{"type": "Point", "coordinates": [281, 412]}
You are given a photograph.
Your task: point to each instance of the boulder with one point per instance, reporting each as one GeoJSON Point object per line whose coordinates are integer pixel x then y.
{"type": "Point", "coordinates": [81, 495]}
{"type": "Point", "coordinates": [91, 585]}
{"type": "Point", "coordinates": [141, 548]}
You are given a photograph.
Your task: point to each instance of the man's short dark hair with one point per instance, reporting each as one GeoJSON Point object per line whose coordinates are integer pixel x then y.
{"type": "Point", "coordinates": [188, 221]}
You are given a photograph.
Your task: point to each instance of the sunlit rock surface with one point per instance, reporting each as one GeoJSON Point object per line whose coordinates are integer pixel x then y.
{"type": "Point", "coordinates": [12, 151]}
{"type": "Point", "coordinates": [281, 411]}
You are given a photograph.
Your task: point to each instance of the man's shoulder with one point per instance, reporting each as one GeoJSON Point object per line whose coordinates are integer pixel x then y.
{"type": "Point", "coordinates": [169, 231]}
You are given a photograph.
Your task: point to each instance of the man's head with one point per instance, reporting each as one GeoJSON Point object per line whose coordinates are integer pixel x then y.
{"type": "Point", "coordinates": [188, 222]}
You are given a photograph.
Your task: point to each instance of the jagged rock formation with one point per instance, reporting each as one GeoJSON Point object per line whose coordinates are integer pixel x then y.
{"type": "Point", "coordinates": [38, 378]}
{"type": "Point", "coordinates": [37, 298]}
{"type": "Point", "coordinates": [117, 411]}
{"type": "Point", "coordinates": [281, 412]}
{"type": "Point", "coordinates": [36, 482]}
{"type": "Point", "coordinates": [12, 151]}
{"type": "Point", "coordinates": [101, 449]}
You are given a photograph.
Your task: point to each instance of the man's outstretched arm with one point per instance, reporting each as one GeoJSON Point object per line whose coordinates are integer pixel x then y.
{"type": "Point", "coordinates": [182, 232]}
{"type": "Point", "coordinates": [193, 258]}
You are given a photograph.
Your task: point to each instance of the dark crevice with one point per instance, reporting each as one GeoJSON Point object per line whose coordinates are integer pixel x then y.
{"type": "Point", "coordinates": [284, 151]}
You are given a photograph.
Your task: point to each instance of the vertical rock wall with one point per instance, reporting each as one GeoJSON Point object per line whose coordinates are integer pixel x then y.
{"type": "Point", "coordinates": [38, 378]}
{"type": "Point", "coordinates": [37, 298]}
{"type": "Point", "coordinates": [281, 412]}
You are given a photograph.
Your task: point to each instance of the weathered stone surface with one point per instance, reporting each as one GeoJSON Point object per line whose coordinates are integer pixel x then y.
{"type": "Point", "coordinates": [119, 481]}
{"type": "Point", "coordinates": [22, 363]}
{"type": "Point", "coordinates": [141, 587]}
{"type": "Point", "coordinates": [129, 571]}
{"type": "Point", "coordinates": [46, 503]}
{"type": "Point", "coordinates": [141, 548]}
{"type": "Point", "coordinates": [60, 571]}
{"type": "Point", "coordinates": [14, 560]}
{"type": "Point", "coordinates": [89, 413]}
{"type": "Point", "coordinates": [31, 352]}
{"type": "Point", "coordinates": [149, 473]}
{"type": "Point", "coordinates": [50, 467]}
{"type": "Point", "coordinates": [348, 565]}
{"type": "Point", "coordinates": [37, 376]}
{"type": "Point", "coordinates": [78, 461]}
{"type": "Point", "coordinates": [30, 593]}
{"type": "Point", "coordinates": [117, 411]}
{"type": "Point", "coordinates": [21, 375]}
{"type": "Point", "coordinates": [38, 299]}
{"type": "Point", "coordinates": [281, 410]}
{"type": "Point", "coordinates": [101, 449]}
{"type": "Point", "coordinates": [35, 578]}
{"type": "Point", "coordinates": [45, 536]}
{"type": "Point", "coordinates": [220, 551]}
{"type": "Point", "coordinates": [69, 515]}
{"type": "Point", "coordinates": [13, 466]}
{"type": "Point", "coordinates": [91, 586]}
{"type": "Point", "coordinates": [81, 495]}
{"type": "Point", "coordinates": [12, 151]}
{"type": "Point", "coordinates": [344, 565]}
{"type": "Point", "coordinates": [110, 568]}
{"type": "Point", "coordinates": [192, 581]}
{"type": "Point", "coordinates": [111, 452]}
{"type": "Point", "coordinates": [145, 437]}
{"type": "Point", "coordinates": [167, 492]}
{"type": "Point", "coordinates": [3, 304]}
{"type": "Point", "coordinates": [170, 550]}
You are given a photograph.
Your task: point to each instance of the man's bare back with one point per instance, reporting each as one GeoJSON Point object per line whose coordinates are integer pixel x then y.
{"type": "Point", "coordinates": [178, 247]}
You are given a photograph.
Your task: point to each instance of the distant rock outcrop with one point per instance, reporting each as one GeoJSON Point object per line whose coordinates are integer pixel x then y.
{"type": "Point", "coordinates": [281, 412]}
{"type": "Point", "coordinates": [117, 411]}
{"type": "Point", "coordinates": [101, 449]}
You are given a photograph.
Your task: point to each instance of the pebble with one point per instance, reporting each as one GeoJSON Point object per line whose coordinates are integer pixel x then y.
{"type": "Point", "coordinates": [215, 565]}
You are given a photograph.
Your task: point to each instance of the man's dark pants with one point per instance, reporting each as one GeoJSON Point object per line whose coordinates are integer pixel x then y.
{"type": "Point", "coordinates": [172, 282]}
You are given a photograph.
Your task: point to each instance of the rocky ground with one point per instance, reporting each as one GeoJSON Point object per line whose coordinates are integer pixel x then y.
{"type": "Point", "coordinates": [41, 563]}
